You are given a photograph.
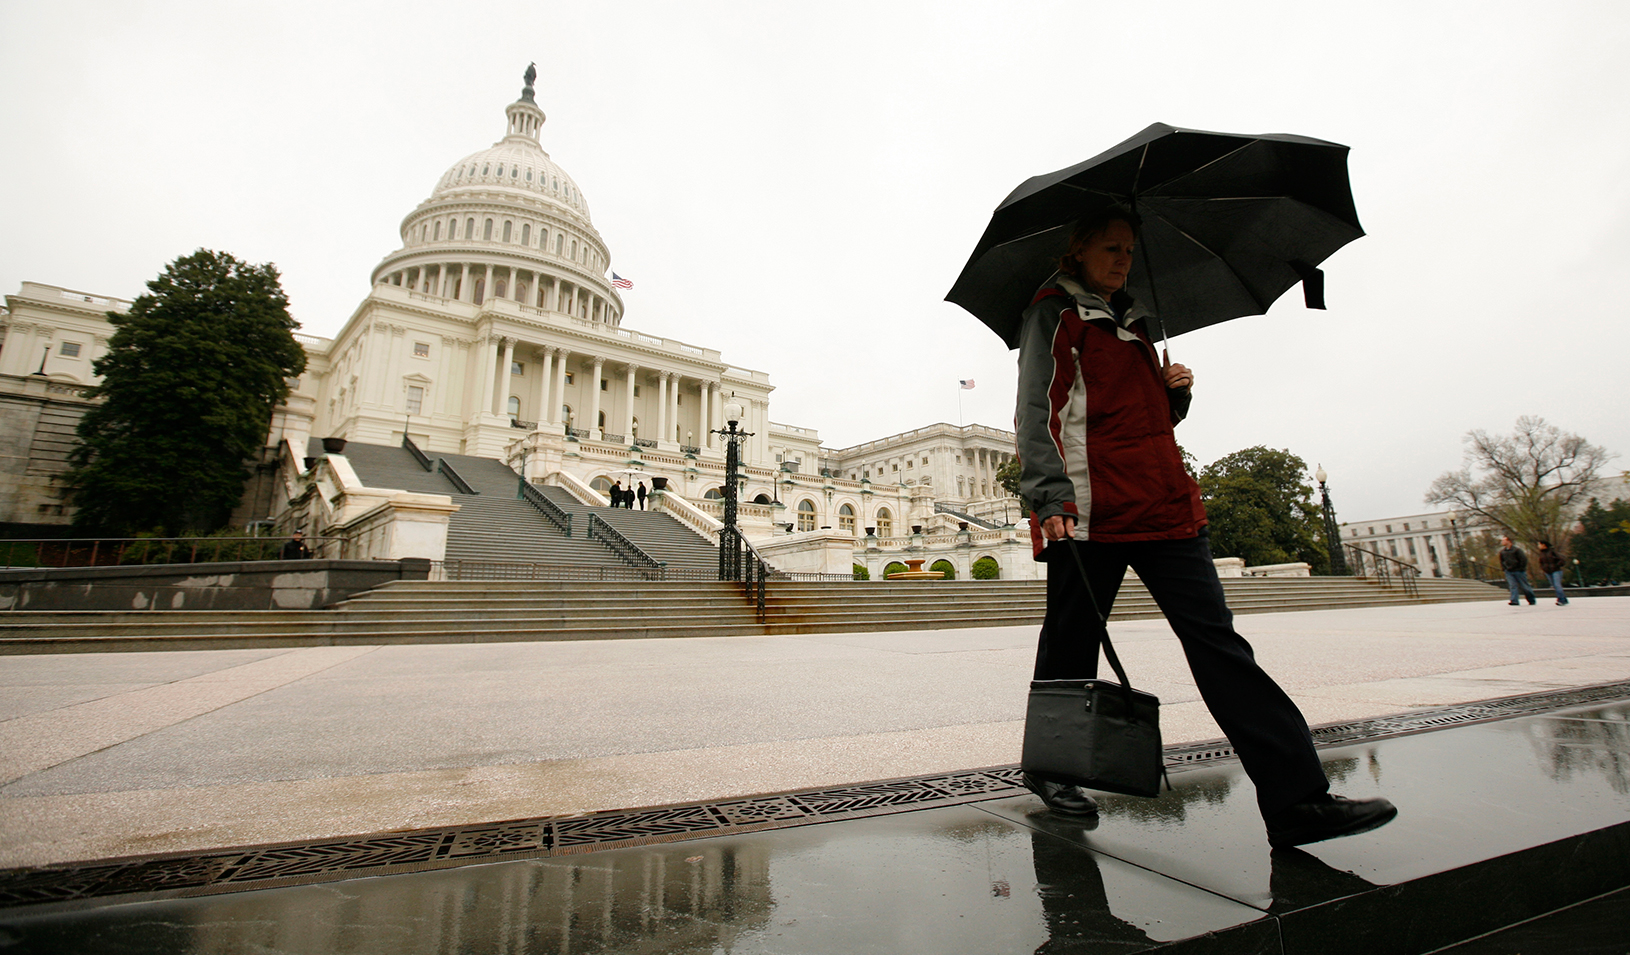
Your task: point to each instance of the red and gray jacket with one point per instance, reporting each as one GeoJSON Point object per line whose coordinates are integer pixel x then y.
{"type": "Point", "coordinates": [1095, 420]}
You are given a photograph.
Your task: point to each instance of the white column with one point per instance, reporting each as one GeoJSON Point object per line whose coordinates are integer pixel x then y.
{"type": "Point", "coordinates": [662, 407]}
{"type": "Point", "coordinates": [628, 416]}
{"type": "Point", "coordinates": [464, 292]}
{"type": "Point", "coordinates": [560, 387]}
{"type": "Point", "coordinates": [674, 423]}
{"type": "Point", "coordinates": [593, 424]}
{"type": "Point", "coordinates": [489, 359]}
{"type": "Point", "coordinates": [486, 286]}
{"type": "Point", "coordinates": [545, 359]}
{"type": "Point", "coordinates": [500, 393]}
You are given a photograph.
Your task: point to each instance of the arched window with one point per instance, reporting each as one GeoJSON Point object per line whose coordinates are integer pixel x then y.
{"type": "Point", "coordinates": [514, 408]}
{"type": "Point", "coordinates": [480, 290]}
{"type": "Point", "coordinates": [714, 494]}
{"type": "Point", "coordinates": [846, 519]}
{"type": "Point", "coordinates": [520, 292]}
{"type": "Point", "coordinates": [574, 249]}
{"type": "Point", "coordinates": [762, 499]}
{"type": "Point", "coordinates": [806, 515]}
{"type": "Point", "coordinates": [566, 414]}
{"type": "Point", "coordinates": [601, 484]}
{"type": "Point", "coordinates": [486, 231]}
{"type": "Point", "coordinates": [508, 226]}
{"type": "Point", "coordinates": [438, 233]}
{"type": "Point", "coordinates": [526, 232]}
{"type": "Point", "coordinates": [485, 169]}
{"type": "Point", "coordinates": [560, 240]}
{"type": "Point", "coordinates": [885, 523]}
{"type": "Point", "coordinates": [602, 420]}
{"type": "Point", "coordinates": [469, 228]}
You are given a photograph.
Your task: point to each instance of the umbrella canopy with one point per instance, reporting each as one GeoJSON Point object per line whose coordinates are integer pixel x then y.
{"type": "Point", "coordinates": [1229, 223]}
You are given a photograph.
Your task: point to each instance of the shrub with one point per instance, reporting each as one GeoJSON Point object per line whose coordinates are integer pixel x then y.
{"type": "Point", "coordinates": [986, 568]}
{"type": "Point", "coordinates": [861, 573]}
{"type": "Point", "coordinates": [894, 567]}
{"type": "Point", "coordinates": [945, 567]}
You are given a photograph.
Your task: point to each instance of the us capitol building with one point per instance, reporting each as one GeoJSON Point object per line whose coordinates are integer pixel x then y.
{"type": "Point", "coordinates": [497, 331]}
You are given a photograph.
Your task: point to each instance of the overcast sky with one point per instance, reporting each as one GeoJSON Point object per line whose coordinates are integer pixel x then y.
{"type": "Point", "coordinates": [798, 185]}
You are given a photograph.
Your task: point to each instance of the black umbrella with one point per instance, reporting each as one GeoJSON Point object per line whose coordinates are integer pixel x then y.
{"type": "Point", "coordinates": [1229, 223]}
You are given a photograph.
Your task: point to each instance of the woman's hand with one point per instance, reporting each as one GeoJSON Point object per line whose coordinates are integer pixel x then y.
{"type": "Point", "coordinates": [1058, 527]}
{"type": "Point", "coordinates": [1178, 376]}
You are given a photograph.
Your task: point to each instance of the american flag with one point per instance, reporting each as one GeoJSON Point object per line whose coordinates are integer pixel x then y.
{"type": "Point", "coordinates": [620, 282]}
{"type": "Point", "coordinates": [967, 384]}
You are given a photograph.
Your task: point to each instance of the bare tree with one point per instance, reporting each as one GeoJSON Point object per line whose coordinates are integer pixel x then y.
{"type": "Point", "coordinates": [1530, 483]}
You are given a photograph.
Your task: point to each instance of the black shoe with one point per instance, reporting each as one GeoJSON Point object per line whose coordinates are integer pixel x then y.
{"type": "Point", "coordinates": [1327, 818]}
{"type": "Point", "coordinates": [1061, 798]}
{"type": "Point", "coordinates": [1512, 604]}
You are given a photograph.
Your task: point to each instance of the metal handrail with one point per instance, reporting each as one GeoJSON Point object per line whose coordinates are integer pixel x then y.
{"type": "Point", "coordinates": [130, 551]}
{"type": "Point", "coordinates": [556, 515]}
{"type": "Point", "coordinates": [446, 467]}
{"type": "Point", "coordinates": [622, 546]}
{"type": "Point", "coordinates": [1406, 572]}
{"type": "Point", "coordinates": [740, 561]}
{"type": "Point", "coordinates": [418, 455]}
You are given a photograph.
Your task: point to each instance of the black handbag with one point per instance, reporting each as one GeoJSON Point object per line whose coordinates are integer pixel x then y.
{"type": "Point", "coordinates": [1094, 733]}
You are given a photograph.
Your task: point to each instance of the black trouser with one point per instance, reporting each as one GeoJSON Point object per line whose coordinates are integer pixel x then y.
{"type": "Point", "coordinates": [1265, 728]}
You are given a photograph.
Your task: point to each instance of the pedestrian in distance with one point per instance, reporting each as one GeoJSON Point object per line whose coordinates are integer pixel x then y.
{"type": "Point", "coordinates": [296, 548]}
{"type": "Point", "coordinates": [1551, 564]}
{"type": "Point", "coordinates": [1515, 564]}
{"type": "Point", "coordinates": [642, 492]}
{"type": "Point", "coordinates": [616, 494]}
{"type": "Point", "coordinates": [1102, 474]}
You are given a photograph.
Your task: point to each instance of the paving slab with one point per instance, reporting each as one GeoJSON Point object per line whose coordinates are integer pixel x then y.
{"type": "Point", "coordinates": [1520, 822]}
{"type": "Point", "coordinates": [187, 751]}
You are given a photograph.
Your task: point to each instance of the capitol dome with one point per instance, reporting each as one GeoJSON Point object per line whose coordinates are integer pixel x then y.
{"type": "Point", "coordinates": [507, 222]}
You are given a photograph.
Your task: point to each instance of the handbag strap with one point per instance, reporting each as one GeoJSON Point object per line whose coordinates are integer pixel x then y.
{"type": "Point", "coordinates": [1109, 648]}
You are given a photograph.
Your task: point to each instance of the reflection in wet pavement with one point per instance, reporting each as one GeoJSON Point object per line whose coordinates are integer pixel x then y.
{"type": "Point", "coordinates": [1498, 822]}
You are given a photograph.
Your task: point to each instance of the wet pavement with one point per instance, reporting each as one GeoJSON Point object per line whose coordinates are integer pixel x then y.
{"type": "Point", "coordinates": [1500, 822]}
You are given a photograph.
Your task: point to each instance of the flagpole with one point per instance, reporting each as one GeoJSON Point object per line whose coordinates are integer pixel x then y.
{"type": "Point", "coordinates": [959, 391]}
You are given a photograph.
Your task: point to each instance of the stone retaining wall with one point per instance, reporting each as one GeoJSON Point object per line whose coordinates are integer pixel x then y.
{"type": "Point", "coordinates": [229, 585]}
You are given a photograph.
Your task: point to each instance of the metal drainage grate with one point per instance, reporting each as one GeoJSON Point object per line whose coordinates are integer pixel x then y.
{"type": "Point", "coordinates": [257, 867]}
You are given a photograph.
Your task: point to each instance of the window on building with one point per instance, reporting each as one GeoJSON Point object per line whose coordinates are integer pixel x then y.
{"type": "Point", "coordinates": [636, 391]}
{"type": "Point", "coordinates": [69, 350]}
{"type": "Point", "coordinates": [438, 231]}
{"type": "Point", "coordinates": [469, 228]}
{"type": "Point", "coordinates": [602, 421]}
{"type": "Point", "coordinates": [846, 519]}
{"type": "Point", "coordinates": [885, 523]}
{"type": "Point", "coordinates": [520, 292]}
{"type": "Point", "coordinates": [415, 399]}
{"type": "Point", "coordinates": [498, 288]}
{"type": "Point", "coordinates": [486, 231]}
{"type": "Point", "coordinates": [508, 225]}
{"type": "Point", "coordinates": [909, 465]}
{"type": "Point", "coordinates": [480, 290]}
{"type": "Point", "coordinates": [421, 349]}
{"type": "Point", "coordinates": [517, 367]}
{"type": "Point", "coordinates": [895, 467]}
{"type": "Point", "coordinates": [1389, 528]}
{"type": "Point", "coordinates": [486, 169]}
{"type": "Point", "coordinates": [806, 515]}
{"type": "Point", "coordinates": [560, 240]}
{"type": "Point", "coordinates": [514, 408]}
{"type": "Point", "coordinates": [526, 229]}
{"type": "Point", "coordinates": [605, 385]}
{"type": "Point", "coordinates": [571, 377]}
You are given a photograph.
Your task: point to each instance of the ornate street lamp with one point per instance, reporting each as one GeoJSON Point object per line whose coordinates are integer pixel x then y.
{"type": "Point", "coordinates": [730, 536]}
{"type": "Point", "coordinates": [1332, 533]}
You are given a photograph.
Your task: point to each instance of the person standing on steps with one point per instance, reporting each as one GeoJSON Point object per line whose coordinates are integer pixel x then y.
{"type": "Point", "coordinates": [616, 494]}
{"type": "Point", "coordinates": [1101, 472]}
{"type": "Point", "coordinates": [1515, 564]}
{"type": "Point", "coordinates": [641, 492]}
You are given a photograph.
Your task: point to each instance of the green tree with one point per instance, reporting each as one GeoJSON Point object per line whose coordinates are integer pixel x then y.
{"type": "Point", "coordinates": [1602, 545]}
{"type": "Point", "coordinates": [986, 568]}
{"type": "Point", "coordinates": [189, 382]}
{"type": "Point", "coordinates": [1261, 509]}
{"type": "Point", "coordinates": [1529, 484]}
{"type": "Point", "coordinates": [1008, 476]}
